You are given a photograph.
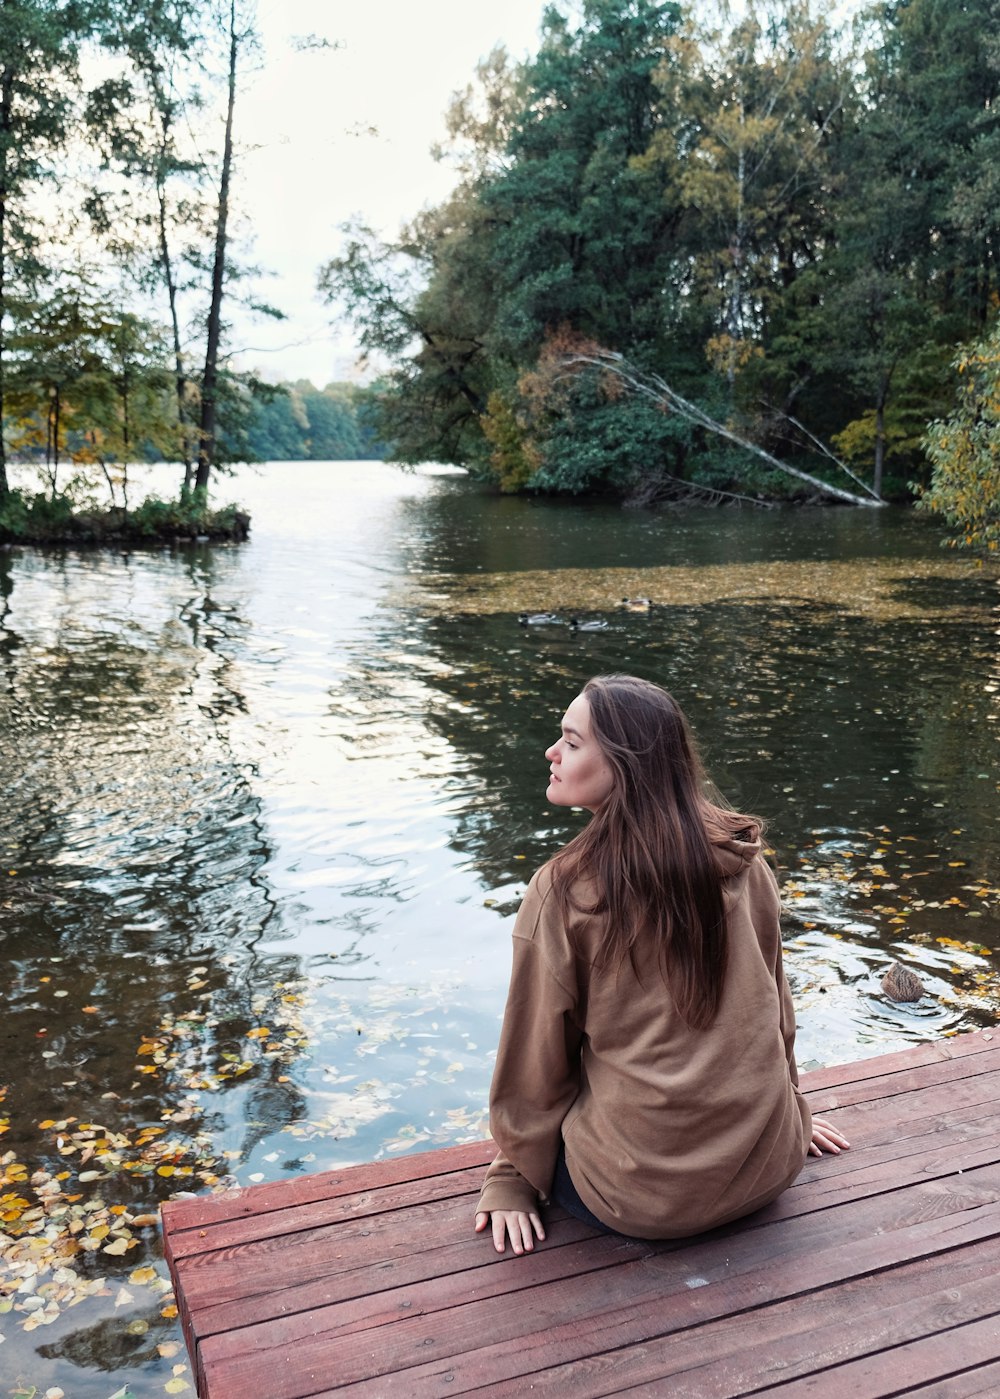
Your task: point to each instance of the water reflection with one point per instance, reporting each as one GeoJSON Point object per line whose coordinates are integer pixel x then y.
{"type": "Point", "coordinates": [271, 809]}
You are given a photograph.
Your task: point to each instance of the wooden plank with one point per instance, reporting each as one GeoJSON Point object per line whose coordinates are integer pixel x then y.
{"type": "Point", "coordinates": [984, 1380]}
{"type": "Point", "coordinates": [197, 1211]}
{"type": "Point", "coordinates": [914, 1079]}
{"type": "Point", "coordinates": [625, 1305]}
{"type": "Point", "coordinates": [746, 1353]}
{"type": "Point", "coordinates": [229, 1234]}
{"type": "Point", "coordinates": [950, 1047]}
{"type": "Point", "coordinates": [241, 1332]}
{"type": "Point", "coordinates": [573, 1247]}
{"type": "Point", "coordinates": [931, 1358]}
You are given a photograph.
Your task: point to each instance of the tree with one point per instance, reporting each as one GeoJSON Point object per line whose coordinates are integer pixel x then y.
{"type": "Point", "coordinates": [238, 38]}
{"type": "Point", "coordinates": [140, 120]}
{"type": "Point", "coordinates": [581, 228]}
{"type": "Point", "coordinates": [915, 262]}
{"type": "Point", "coordinates": [755, 116]}
{"type": "Point", "coordinates": [430, 403]}
{"type": "Point", "coordinates": [39, 52]}
{"type": "Point", "coordinates": [88, 384]}
{"type": "Point", "coordinates": [964, 448]}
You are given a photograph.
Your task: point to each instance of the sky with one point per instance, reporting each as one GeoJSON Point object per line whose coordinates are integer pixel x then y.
{"type": "Point", "coordinates": [310, 159]}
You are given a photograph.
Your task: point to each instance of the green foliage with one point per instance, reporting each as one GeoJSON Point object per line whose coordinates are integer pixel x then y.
{"type": "Point", "coordinates": [303, 423]}
{"type": "Point", "coordinates": [790, 225]}
{"type": "Point", "coordinates": [581, 231]}
{"type": "Point", "coordinates": [69, 517]}
{"type": "Point", "coordinates": [112, 90]}
{"type": "Point", "coordinates": [514, 460]}
{"type": "Point", "coordinates": [964, 449]}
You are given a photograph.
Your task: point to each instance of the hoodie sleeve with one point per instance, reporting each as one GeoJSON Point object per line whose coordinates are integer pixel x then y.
{"type": "Point", "coordinates": [537, 1073]}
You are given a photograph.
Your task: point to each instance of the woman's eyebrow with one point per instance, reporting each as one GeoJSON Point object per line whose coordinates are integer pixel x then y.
{"type": "Point", "coordinates": [575, 732]}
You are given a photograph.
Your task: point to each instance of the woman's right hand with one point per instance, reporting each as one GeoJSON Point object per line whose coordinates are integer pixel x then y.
{"type": "Point", "coordinates": [517, 1223]}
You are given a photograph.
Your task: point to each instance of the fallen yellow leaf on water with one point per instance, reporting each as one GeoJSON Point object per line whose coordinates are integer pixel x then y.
{"type": "Point", "coordinates": [169, 1311]}
{"type": "Point", "coordinates": [168, 1349]}
{"type": "Point", "coordinates": [142, 1275]}
{"type": "Point", "coordinates": [176, 1386]}
{"type": "Point", "coordinates": [118, 1247]}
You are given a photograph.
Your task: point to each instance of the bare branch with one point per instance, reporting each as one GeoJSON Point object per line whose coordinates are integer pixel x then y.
{"type": "Point", "coordinates": [652, 386]}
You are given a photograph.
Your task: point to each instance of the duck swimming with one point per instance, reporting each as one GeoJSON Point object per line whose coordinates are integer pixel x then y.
{"type": "Point", "coordinates": [598, 624]}
{"type": "Point", "coordinates": [538, 619]}
{"type": "Point", "coordinates": [637, 604]}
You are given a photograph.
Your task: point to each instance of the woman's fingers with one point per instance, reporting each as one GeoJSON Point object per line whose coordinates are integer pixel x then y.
{"type": "Point", "coordinates": [826, 1137]}
{"type": "Point", "coordinates": [520, 1226]}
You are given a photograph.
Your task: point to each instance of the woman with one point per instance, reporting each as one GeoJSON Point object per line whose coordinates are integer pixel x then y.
{"type": "Point", "coordinates": [645, 1079]}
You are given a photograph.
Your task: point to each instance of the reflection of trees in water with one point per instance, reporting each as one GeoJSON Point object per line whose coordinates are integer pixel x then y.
{"type": "Point", "coordinates": [140, 845]}
{"type": "Point", "coordinates": [822, 721]}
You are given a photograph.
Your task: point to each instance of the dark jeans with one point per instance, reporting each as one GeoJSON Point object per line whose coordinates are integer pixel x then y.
{"type": "Point", "coordinates": [564, 1194]}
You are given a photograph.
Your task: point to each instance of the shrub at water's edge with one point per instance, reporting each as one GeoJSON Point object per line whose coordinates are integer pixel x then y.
{"type": "Point", "coordinates": [36, 518]}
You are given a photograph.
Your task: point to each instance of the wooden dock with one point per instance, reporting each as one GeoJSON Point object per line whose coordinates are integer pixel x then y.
{"type": "Point", "coordinates": [876, 1274]}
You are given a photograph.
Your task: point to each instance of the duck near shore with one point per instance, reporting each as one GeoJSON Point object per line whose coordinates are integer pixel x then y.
{"type": "Point", "coordinates": [637, 604]}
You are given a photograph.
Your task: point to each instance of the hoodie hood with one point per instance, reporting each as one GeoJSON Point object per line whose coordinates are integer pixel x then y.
{"type": "Point", "coordinates": [734, 854]}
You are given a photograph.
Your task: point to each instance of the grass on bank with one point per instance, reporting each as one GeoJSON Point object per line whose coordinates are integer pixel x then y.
{"type": "Point", "coordinates": [29, 517]}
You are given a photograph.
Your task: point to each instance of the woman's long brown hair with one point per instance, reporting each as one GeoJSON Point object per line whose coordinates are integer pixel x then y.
{"type": "Point", "coordinates": [648, 848]}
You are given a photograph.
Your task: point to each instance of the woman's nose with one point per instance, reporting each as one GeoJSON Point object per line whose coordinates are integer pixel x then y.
{"type": "Point", "coordinates": [552, 753]}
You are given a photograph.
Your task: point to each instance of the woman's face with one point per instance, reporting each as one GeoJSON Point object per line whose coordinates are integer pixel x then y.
{"type": "Point", "coordinates": [579, 773]}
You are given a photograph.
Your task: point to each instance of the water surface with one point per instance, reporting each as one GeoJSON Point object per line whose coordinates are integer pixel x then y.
{"type": "Point", "coordinates": [268, 811]}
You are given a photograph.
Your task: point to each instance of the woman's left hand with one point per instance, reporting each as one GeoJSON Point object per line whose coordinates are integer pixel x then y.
{"type": "Point", "coordinates": [825, 1137]}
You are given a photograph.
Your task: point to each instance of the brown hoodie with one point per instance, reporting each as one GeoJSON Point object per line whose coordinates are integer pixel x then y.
{"type": "Point", "coordinates": [668, 1130]}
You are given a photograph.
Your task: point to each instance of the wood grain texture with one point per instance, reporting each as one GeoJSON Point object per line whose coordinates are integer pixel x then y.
{"type": "Point", "coordinates": [877, 1273]}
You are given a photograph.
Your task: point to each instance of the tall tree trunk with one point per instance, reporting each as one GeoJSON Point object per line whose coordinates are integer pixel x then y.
{"type": "Point", "coordinates": [6, 95]}
{"type": "Point", "coordinates": [180, 375]}
{"type": "Point", "coordinates": [209, 382]}
{"type": "Point", "coordinates": [55, 441]}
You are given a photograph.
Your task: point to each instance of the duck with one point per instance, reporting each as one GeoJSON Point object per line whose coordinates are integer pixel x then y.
{"type": "Point", "coordinates": [637, 604]}
{"type": "Point", "coordinates": [537, 619]}
{"type": "Point", "coordinates": [597, 624]}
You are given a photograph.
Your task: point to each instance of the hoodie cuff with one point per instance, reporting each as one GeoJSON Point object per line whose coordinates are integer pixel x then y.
{"type": "Point", "coordinates": [506, 1189]}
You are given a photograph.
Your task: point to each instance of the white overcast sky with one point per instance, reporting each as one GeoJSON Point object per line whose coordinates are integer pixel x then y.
{"type": "Point", "coordinates": [307, 163]}
{"type": "Point", "coordinates": [303, 172]}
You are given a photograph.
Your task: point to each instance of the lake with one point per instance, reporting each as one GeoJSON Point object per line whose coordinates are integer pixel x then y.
{"type": "Point", "coordinates": [269, 809]}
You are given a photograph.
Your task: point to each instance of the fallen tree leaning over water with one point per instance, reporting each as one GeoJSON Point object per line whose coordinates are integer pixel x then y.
{"type": "Point", "coordinates": [653, 387]}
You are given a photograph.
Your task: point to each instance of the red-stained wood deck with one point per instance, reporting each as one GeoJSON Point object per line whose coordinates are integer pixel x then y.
{"type": "Point", "coordinates": [876, 1274]}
